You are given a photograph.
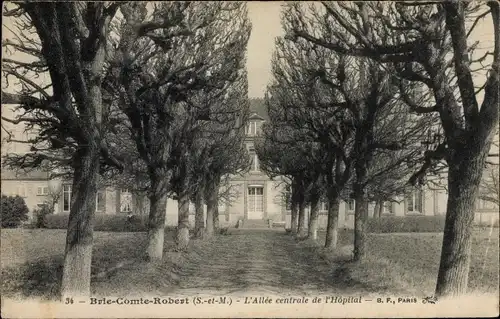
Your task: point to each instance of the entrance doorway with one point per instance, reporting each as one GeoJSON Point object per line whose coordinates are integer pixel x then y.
{"type": "Point", "coordinates": [255, 203]}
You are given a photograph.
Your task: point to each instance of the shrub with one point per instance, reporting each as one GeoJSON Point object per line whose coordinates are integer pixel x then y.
{"type": "Point", "coordinates": [56, 221]}
{"type": "Point", "coordinates": [406, 224]}
{"type": "Point", "coordinates": [14, 211]}
{"type": "Point", "coordinates": [40, 215]}
{"type": "Point", "coordinates": [120, 223]}
{"type": "Point", "coordinates": [103, 222]}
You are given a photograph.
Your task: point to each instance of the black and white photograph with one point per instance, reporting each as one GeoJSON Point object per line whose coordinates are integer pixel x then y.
{"type": "Point", "coordinates": [250, 159]}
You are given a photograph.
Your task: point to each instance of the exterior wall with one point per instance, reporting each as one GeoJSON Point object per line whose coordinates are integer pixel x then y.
{"type": "Point", "coordinates": [27, 190]}
{"type": "Point", "coordinates": [346, 216]}
{"type": "Point", "coordinates": [111, 199]}
{"type": "Point", "coordinates": [236, 209]}
{"type": "Point", "coordinates": [172, 214]}
{"type": "Point", "coordinates": [399, 207]}
{"type": "Point", "coordinates": [433, 203]}
{"type": "Point", "coordinates": [487, 213]}
{"type": "Point", "coordinates": [428, 204]}
{"type": "Point", "coordinates": [274, 199]}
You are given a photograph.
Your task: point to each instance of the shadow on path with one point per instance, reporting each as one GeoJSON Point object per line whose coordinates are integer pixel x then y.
{"type": "Point", "coordinates": [242, 261]}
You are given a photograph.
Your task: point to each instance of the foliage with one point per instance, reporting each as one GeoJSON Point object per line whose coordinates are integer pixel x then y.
{"type": "Point", "coordinates": [40, 215]}
{"type": "Point", "coordinates": [103, 222]}
{"type": "Point", "coordinates": [14, 211]}
{"type": "Point", "coordinates": [406, 224]}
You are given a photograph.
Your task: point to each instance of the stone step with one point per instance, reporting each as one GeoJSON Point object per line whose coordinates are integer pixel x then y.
{"type": "Point", "coordinates": [255, 223]}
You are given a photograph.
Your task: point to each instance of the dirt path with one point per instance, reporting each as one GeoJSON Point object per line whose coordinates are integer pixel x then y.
{"type": "Point", "coordinates": [259, 261]}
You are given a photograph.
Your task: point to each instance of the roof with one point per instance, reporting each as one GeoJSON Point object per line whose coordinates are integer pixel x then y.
{"type": "Point", "coordinates": [255, 116]}
{"type": "Point", "coordinates": [35, 174]}
{"type": "Point", "coordinates": [258, 107]}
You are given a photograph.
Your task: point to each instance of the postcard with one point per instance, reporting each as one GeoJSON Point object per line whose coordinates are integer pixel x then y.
{"type": "Point", "coordinates": [256, 159]}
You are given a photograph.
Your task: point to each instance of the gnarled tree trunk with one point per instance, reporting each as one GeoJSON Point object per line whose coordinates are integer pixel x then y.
{"type": "Point", "coordinates": [212, 205]}
{"type": "Point", "coordinates": [360, 217]}
{"type": "Point", "coordinates": [79, 236]}
{"type": "Point", "coordinates": [464, 176]}
{"type": "Point", "coordinates": [156, 223]}
{"type": "Point", "coordinates": [182, 236]}
{"type": "Point", "coordinates": [312, 231]}
{"type": "Point", "coordinates": [216, 218]}
{"type": "Point", "coordinates": [379, 208]}
{"type": "Point", "coordinates": [210, 229]}
{"type": "Point", "coordinates": [302, 229]}
{"type": "Point", "coordinates": [199, 220]}
{"type": "Point", "coordinates": [333, 221]}
{"type": "Point", "coordinates": [294, 223]}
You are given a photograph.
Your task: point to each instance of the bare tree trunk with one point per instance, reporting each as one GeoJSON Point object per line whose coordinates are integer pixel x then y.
{"type": "Point", "coordinates": [302, 230]}
{"type": "Point", "coordinates": [216, 218]}
{"type": "Point", "coordinates": [333, 221]}
{"type": "Point", "coordinates": [211, 207]}
{"type": "Point", "coordinates": [379, 208]}
{"type": "Point", "coordinates": [141, 203]}
{"type": "Point", "coordinates": [199, 220]}
{"type": "Point", "coordinates": [294, 218]}
{"type": "Point", "coordinates": [294, 224]}
{"type": "Point", "coordinates": [212, 199]}
{"type": "Point", "coordinates": [312, 231]}
{"type": "Point", "coordinates": [360, 217]}
{"type": "Point", "coordinates": [182, 236]}
{"type": "Point", "coordinates": [156, 218]}
{"type": "Point", "coordinates": [464, 176]}
{"type": "Point", "coordinates": [79, 236]}
{"type": "Point", "coordinates": [156, 226]}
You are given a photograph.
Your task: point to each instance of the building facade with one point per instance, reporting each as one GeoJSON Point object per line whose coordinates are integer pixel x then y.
{"type": "Point", "coordinates": [421, 202]}
{"type": "Point", "coordinates": [255, 195]}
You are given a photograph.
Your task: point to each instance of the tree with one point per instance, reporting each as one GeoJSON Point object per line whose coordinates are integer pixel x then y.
{"type": "Point", "coordinates": [67, 42]}
{"type": "Point", "coordinates": [187, 47]}
{"type": "Point", "coordinates": [286, 153]}
{"type": "Point", "coordinates": [417, 39]}
{"type": "Point", "coordinates": [318, 117]}
{"type": "Point", "coordinates": [227, 153]}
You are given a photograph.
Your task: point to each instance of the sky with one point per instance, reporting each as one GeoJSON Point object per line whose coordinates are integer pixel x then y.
{"type": "Point", "coordinates": [266, 25]}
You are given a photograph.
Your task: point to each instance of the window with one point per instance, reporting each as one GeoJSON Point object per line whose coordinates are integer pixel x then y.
{"type": "Point", "coordinates": [253, 159]}
{"type": "Point", "coordinates": [388, 208]}
{"type": "Point", "coordinates": [42, 190]}
{"type": "Point", "coordinates": [255, 163]}
{"type": "Point", "coordinates": [21, 191]}
{"type": "Point", "coordinates": [126, 201]}
{"type": "Point", "coordinates": [18, 190]}
{"type": "Point", "coordinates": [252, 128]}
{"type": "Point", "coordinates": [323, 206]}
{"type": "Point", "coordinates": [66, 198]}
{"type": "Point", "coordinates": [484, 204]}
{"type": "Point", "coordinates": [350, 205]}
{"type": "Point", "coordinates": [414, 202]}
{"type": "Point", "coordinates": [256, 199]}
{"type": "Point", "coordinates": [100, 201]}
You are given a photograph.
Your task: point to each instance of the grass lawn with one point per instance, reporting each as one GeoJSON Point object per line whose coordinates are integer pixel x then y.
{"type": "Point", "coordinates": [31, 259]}
{"type": "Point", "coordinates": [31, 262]}
{"type": "Point", "coordinates": [410, 261]}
